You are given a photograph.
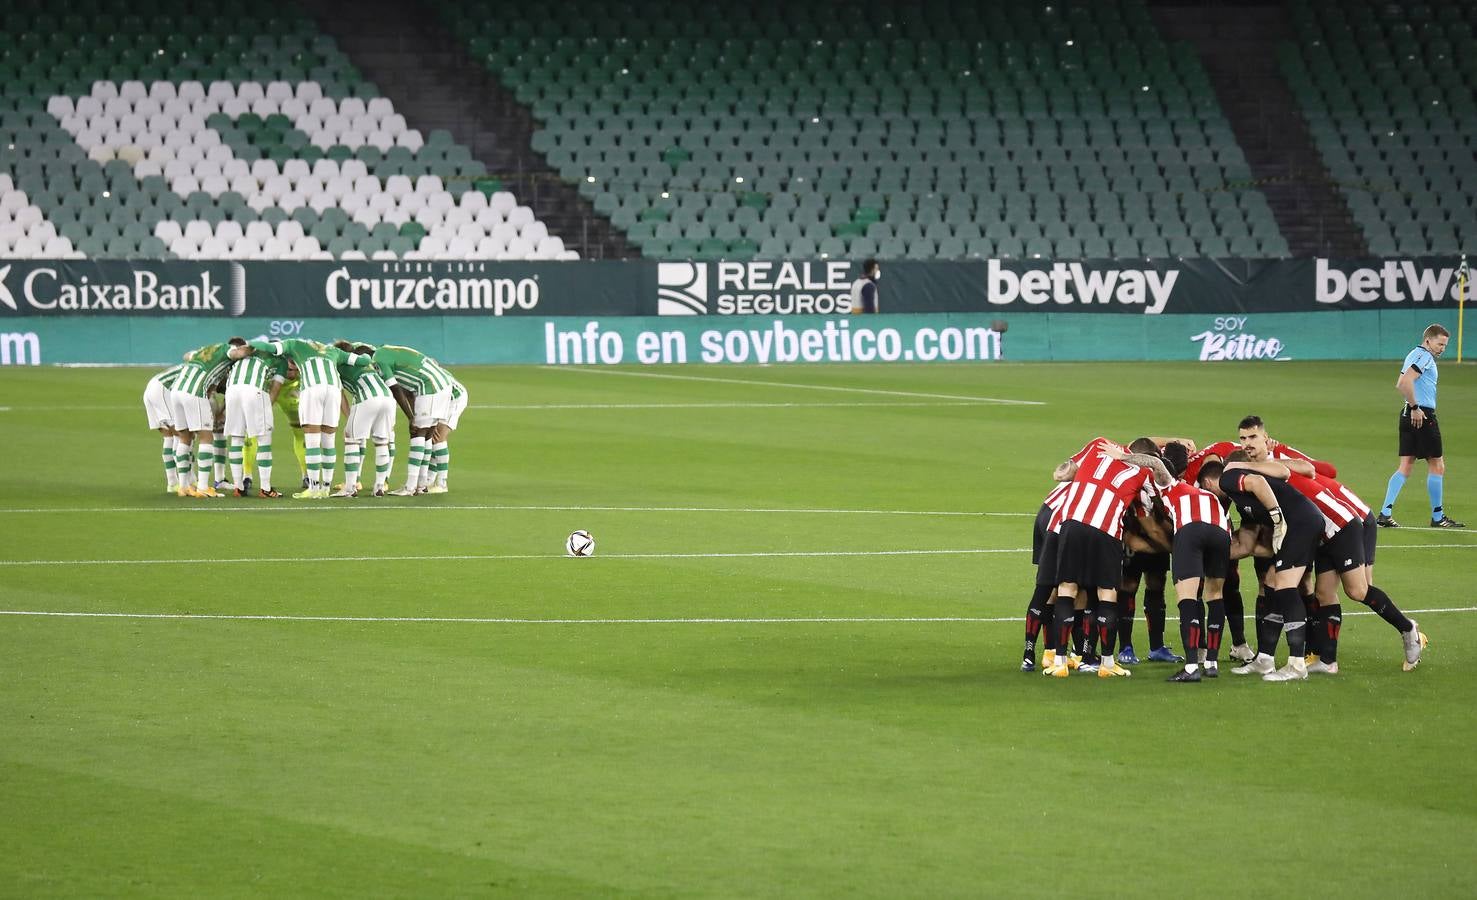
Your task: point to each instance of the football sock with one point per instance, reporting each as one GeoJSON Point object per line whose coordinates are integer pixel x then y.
{"type": "Point", "coordinates": [1397, 481]}
{"type": "Point", "coordinates": [1380, 602]}
{"type": "Point", "coordinates": [1036, 617]}
{"type": "Point", "coordinates": [353, 459]}
{"type": "Point", "coordinates": [183, 461]}
{"type": "Point", "coordinates": [1192, 626]}
{"type": "Point", "coordinates": [1312, 615]}
{"type": "Point", "coordinates": [1331, 620]}
{"type": "Point", "coordinates": [264, 462]}
{"type": "Point", "coordinates": [1127, 603]}
{"type": "Point", "coordinates": [248, 454]}
{"type": "Point", "coordinates": [413, 464]}
{"type": "Point", "coordinates": [1294, 620]}
{"type": "Point", "coordinates": [218, 456]}
{"type": "Point", "coordinates": [1235, 608]}
{"type": "Point", "coordinates": [238, 466]}
{"type": "Point", "coordinates": [1154, 615]}
{"type": "Point", "coordinates": [1065, 627]}
{"type": "Point", "coordinates": [327, 460]}
{"type": "Point", "coordinates": [424, 481]}
{"type": "Point", "coordinates": [313, 455]}
{"type": "Point", "coordinates": [382, 458]}
{"type": "Point", "coordinates": [440, 462]}
{"type": "Point", "coordinates": [1215, 622]}
{"type": "Point", "coordinates": [1434, 488]}
{"type": "Point", "coordinates": [1267, 631]}
{"type": "Point", "coordinates": [171, 476]}
{"type": "Point", "coordinates": [1107, 628]}
{"type": "Point", "coordinates": [204, 464]}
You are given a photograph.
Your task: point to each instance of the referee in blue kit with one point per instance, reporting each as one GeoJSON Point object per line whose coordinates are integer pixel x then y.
{"type": "Point", "coordinates": [1420, 433]}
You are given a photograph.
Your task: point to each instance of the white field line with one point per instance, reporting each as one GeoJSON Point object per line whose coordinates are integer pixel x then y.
{"type": "Point", "coordinates": [797, 386]}
{"type": "Point", "coordinates": [377, 505]}
{"type": "Point", "coordinates": [495, 557]}
{"type": "Point", "coordinates": [754, 554]}
{"type": "Point", "coordinates": [843, 405]}
{"type": "Point", "coordinates": [478, 620]}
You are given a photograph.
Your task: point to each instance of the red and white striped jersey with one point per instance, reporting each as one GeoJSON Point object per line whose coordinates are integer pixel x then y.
{"type": "Point", "coordinates": [1277, 450]}
{"type": "Point", "coordinates": [1103, 492]}
{"type": "Point", "coordinates": [1188, 503]}
{"type": "Point", "coordinates": [1094, 447]}
{"type": "Point", "coordinates": [1054, 499]}
{"type": "Point", "coordinates": [1221, 449]}
{"type": "Point", "coordinates": [1341, 491]}
{"type": "Point", "coordinates": [1337, 512]}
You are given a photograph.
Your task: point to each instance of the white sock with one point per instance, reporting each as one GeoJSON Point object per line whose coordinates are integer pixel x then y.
{"type": "Point", "coordinates": [440, 462]}
{"type": "Point", "coordinates": [218, 456]}
{"type": "Point", "coordinates": [314, 453]}
{"type": "Point", "coordinates": [1191, 667]}
{"type": "Point", "coordinates": [182, 461]}
{"type": "Point", "coordinates": [204, 464]}
{"type": "Point", "coordinates": [353, 459]}
{"type": "Point", "coordinates": [238, 462]}
{"type": "Point", "coordinates": [327, 459]}
{"type": "Point", "coordinates": [264, 460]}
{"type": "Point", "coordinates": [420, 451]}
{"type": "Point", "coordinates": [171, 475]}
{"type": "Point", "coordinates": [382, 460]}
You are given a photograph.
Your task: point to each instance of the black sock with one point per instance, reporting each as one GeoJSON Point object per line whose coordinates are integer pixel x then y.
{"type": "Point", "coordinates": [1215, 622]}
{"type": "Point", "coordinates": [1089, 629]}
{"type": "Point", "coordinates": [1079, 629]}
{"type": "Point", "coordinates": [1126, 605]}
{"type": "Point", "coordinates": [1038, 616]}
{"type": "Point", "coordinates": [1294, 620]}
{"type": "Point", "coordinates": [1191, 623]}
{"type": "Point", "coordinates": [1268, 625]}
{"type": "Point", "coordinates": [1386, 609]}
{"type": "Point", "coordinates": [1331, 620]}
{"type": "Point", "coordinates": [1154, 615]}
{"type": "Point", "coordinates": [1235, 609]}
{"type": "Point", "coordinates": [1315, 627]}
{"type": "Point", "coordinates": [1064, 627]}
{"type": "Point", "coordinates": [1107, 627]}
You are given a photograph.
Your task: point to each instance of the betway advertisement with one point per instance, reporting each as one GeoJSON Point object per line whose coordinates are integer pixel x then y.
{"type": "Point", "coordinates": [511, 290]}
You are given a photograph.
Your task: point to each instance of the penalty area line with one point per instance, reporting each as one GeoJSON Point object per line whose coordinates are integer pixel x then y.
{"type": "Point", "coordinates": [490, 620]}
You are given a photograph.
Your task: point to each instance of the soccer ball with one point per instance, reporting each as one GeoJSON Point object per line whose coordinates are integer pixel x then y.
{"type": "Point", "coordinates": [580, 544]}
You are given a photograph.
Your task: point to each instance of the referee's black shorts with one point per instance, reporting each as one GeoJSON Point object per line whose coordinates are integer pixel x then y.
{"type": "Point", "coordinates": [1423, 442]}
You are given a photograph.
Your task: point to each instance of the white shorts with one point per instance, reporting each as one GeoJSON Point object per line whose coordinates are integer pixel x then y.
{"type": "Point", "coordinates": [156, 405]}
{"type": "Point", "coordinates": [191, 413]}
{"type": "Point", "coordinates": [374, 418]}
{"type": "Point", "coordinates": [320, 405]}
{"type": "Point", "coordinates": [458, 404]}
{"type": "Point", "coordinates": [432, 409]}
{"type": "Point", "coordinates": [248, 411]}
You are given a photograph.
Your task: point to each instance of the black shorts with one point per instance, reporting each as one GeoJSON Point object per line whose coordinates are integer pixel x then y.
{"type": "Point", "coordinates": [1371, 537]}
{"type": "Point", "coordinates": [1343, 552]}
{"type": "Point", "coordinates": [1423, 442]}
{"type": "Point", "coordinates": [1088, 558]}
{"type": "Point", "coordinates": [1038, 533]}
{"type": "Point", "coordinates": [1138, 564]}
{"type": "Point", "coordinates": [1046, 565]}
{"type": "Point", "coordinates": [1300, 545]}
{"type": "Point", "coordinates": [1201, 550]}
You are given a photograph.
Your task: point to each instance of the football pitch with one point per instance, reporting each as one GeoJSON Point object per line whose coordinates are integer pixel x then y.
{"type": "Point", "coordinates": [791, 668]}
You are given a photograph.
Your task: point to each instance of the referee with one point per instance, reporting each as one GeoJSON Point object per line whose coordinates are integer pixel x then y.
{"type": "Point", "coordinates": [1420, 433]}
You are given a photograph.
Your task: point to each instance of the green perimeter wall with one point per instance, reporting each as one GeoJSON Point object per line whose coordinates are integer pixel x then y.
{"type": "Point", "coordinates": [946, 337]}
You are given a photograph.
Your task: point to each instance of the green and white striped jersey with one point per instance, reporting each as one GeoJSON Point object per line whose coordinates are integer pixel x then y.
{"type": "Point", "coordinates": [169, 376]}
{"type": "Point", "coordinates": [317, 363]}
{"type": "Point", "coordinates": [363, 383]}
{"type": "Point", "coordinates": [258, 371]}
{"type": "Point", "coordinates": [411, 369]}
{"type": "Point", "coordinates": [202, 368]}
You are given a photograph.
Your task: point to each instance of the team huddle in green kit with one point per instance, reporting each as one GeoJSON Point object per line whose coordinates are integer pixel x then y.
{"type": "Point", "coordinates": [217, 405]}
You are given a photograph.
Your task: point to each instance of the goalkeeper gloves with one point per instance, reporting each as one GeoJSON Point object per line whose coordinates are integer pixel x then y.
{"type": "Point", "coordinates": [1279, 528]}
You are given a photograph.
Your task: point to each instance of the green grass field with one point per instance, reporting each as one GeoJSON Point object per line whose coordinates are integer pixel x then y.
{"type": "Point", "coordinates": [790, 669]}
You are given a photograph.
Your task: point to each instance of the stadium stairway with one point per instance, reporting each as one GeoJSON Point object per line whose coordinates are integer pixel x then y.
{"type": "Point", "coordinates": [429, 75]}
{"type": "Point", "coordinates": [1237, 44]}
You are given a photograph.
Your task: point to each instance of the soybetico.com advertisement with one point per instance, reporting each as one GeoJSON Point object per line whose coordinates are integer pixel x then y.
{"type": "Point", "coordinates": [765, 340]}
